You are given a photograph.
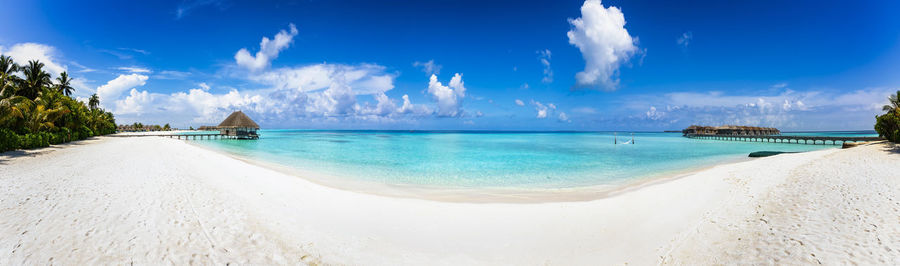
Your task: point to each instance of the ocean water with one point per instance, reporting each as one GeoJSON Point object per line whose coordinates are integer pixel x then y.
{"type": "Point", "coordinates": [495, 159]}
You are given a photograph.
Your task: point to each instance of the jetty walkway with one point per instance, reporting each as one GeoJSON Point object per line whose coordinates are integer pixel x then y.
{"type": "Point", "coordinates": [784, 139]}
{"type": "Point", "coordinates": [181, 136]}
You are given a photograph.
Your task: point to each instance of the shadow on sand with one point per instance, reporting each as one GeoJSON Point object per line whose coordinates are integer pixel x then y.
{"type": "Point", "coordinates": [5, 157]}
{"type": "Point", "coordinates": [892, 148]}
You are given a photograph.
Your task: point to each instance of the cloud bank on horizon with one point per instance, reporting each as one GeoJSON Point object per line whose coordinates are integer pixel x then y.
{"type": "Point", "coordinates": [363, 94]}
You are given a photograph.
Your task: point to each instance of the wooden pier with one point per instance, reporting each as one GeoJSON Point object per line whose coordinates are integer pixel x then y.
{"type": "Point", "coordinates": [784, 139]}
{"type": "Point", "coordinates": [185, 136]}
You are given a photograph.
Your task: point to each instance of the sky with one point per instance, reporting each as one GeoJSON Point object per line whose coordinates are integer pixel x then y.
{"type": "Point", "coordinates": [471, 65]}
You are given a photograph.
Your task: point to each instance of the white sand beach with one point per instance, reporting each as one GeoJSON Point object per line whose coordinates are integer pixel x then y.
{"type": "Point", "coordinates": [153, 200]}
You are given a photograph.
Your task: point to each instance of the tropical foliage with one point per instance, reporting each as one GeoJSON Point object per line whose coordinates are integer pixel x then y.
{"type": "Point", "coordinates": [888, 124]}
{"type": "Point", "coordinates": [36, 111]}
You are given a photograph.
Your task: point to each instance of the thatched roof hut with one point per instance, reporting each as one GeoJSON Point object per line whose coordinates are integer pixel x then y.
{"type": "Point", "coordinates": [239, 125]}
{"type": "Point", "coordinates": [238, 120]}
{"type": "Point", "coordinates": [730, 130]}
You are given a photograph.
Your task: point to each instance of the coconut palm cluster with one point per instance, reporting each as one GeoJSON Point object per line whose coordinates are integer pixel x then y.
{"type": "Point", "coordinates": [37, 110]}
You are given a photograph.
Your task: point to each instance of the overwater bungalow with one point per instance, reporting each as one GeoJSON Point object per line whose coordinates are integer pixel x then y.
{"type": "Point", "coordinates": [730, 130]}
{"type": "Point", "coordinates": [239, 125]}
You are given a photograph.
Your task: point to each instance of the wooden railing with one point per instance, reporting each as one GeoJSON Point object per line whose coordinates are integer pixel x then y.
{"type": "Point", "coordinates": [784, 139]}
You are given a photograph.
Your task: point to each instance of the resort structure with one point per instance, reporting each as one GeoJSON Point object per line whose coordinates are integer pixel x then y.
{"type": "Point", "coordinates": [239, 125]}
{"type": "Point", "coordinates": [731, 130]}
{"type": "Point", "coordinates": [764, 134]}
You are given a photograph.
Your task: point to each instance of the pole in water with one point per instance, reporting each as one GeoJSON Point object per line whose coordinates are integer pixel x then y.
{"type": "Point", "coordinates": [615, 137]}
{"type": "Point", "coordinates": [632, 137]}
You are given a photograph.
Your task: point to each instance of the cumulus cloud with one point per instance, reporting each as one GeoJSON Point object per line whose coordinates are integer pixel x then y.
{"type": "Point", "coordinates": [543, 109]}
{"type": "Point", "coordinates": [364, 78]}
{"type": "Point", "coordinates": [268, 50]}
{"type": "Point", "coordinates": [340, 94]}
{"type": "Point", "coordinates": [653, 114]}
{"type": "Point", "coordinates": [604, 42]}
{"type": "Point", "coordinates": [134, 103]}
{"type": "Point", "coordinates": [327, 92]}
{"type": "Point", "coordinates": [429, 67]}
{"type": "Point", "coordinates": [448, 98]}
{"type": "Point", "coordinates": [114, 88]}
{"type": "Point", "coordinates": [544, 57]}
{"type": "Point", "coordinates": [520, 102]}
{"type": "Point", "coordinates": [409, 108]}
{"type": "Point", "coordinates": [685, 39]}
{"type": "Point", "coordinates": [23, 52]}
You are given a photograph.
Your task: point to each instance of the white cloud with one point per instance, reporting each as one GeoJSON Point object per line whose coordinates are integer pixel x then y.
{"type": "Point", "coordinates": [544, 57]}
{"type": "Point", "coordinates": [563, 117]}
{"type": "Point", "coordinates": [543, 109]}
{"type": "Point", "coordinates": [449, 97]}
{"type": "Point", "coordinates": [653, 114]}
{"type": "Point", "coordinates": [409, 108]}
{"type": "Point", "coordinates": [23, 52]}
{"type": "Point", "coordinates": [186, 6]}
{"type": "Point", "coordinates": [134, 103]}
{"type": "Point", "coordinates": [134, 69]}
{"type": "Point", "coordinates": [604, 42]}
{"type": "Point", "coordinates": [326, 92]}
{"type": "Point", "coordinates": [787, 110]}
{"type": "Point", "coordinates": [268, 50]}
{"type": "Point", "coordinates": [84, 69]}
{"type": "Point", "coordinates": [171, 74]}
{"type": "Point", "coordinates": [112, 89]}
{"type": "Point", "coordinates": [429, 67]}
{"type": "Point", "coordinates": [685, 39]}
{"type": "Point", "coordinates": [143, 52]}
{"type": "Point", "coordinates": [82, 88]}
{"type": "Point", "coordinates": [520, 102]}
{"type": "Point", "coordinates": [364, 78]}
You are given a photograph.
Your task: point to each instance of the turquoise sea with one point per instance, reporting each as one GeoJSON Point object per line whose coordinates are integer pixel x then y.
{"type": "Point", "coordinates": [478, 159]}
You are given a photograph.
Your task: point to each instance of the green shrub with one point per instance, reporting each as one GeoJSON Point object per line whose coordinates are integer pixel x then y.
{"type": "Point", "coordinates": [35, 140]}
{"type": "Point", "coordinates": [57, 138]}
{"type": "Point", "coordinates": [85, 132]}
{"type": "Point", "coordinates": [8, 140]}
{"type": "Point", "coordinates": [888, 126]}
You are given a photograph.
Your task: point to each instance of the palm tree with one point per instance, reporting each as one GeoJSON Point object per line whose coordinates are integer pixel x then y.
{"type": "Point", "coordinates": [63, 84]}
{"type": "Point", "coordinates": [12, 109]}
{"type": "Point", "coordinates": [35, 80]}
{"type": "Point", "coordinates": [7, 79]}
{"type": "Point", "coordinates": [894, 105]}
{"type": "Point", "coordinates": [94, 101]}
{"type": "Point", "coordinates": [45, 111]}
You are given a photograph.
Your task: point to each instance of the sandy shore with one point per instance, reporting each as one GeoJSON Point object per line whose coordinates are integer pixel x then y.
{"type": "Point", "coordinates": [152, 200]}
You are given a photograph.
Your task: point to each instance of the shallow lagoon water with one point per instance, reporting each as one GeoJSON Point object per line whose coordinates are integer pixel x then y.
{"type": "Point", "coordinates": [495, 159]}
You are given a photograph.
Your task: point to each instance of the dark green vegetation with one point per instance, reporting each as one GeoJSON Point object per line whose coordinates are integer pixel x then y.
{"type": "Point", "coordinates": [888, 124]}
{"type": "Point", "coordinates": [768, 153]}
{"type": "Point", "coordinates": [36, 110]}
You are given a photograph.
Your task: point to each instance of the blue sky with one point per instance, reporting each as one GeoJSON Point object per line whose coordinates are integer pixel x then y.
{"type": "Point", "coordinates": [514, 65]}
